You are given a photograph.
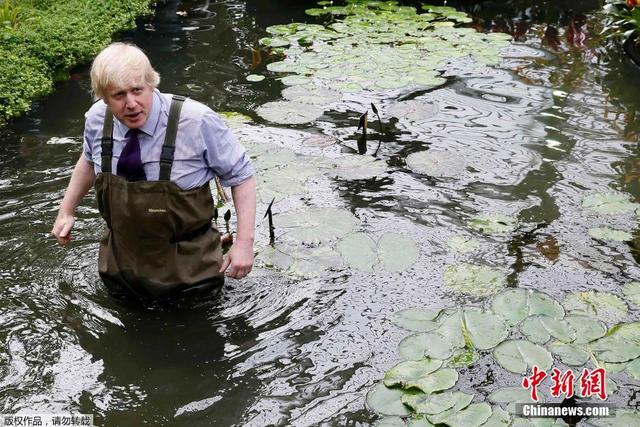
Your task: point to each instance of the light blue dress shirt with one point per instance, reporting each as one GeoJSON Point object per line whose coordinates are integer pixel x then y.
{"type": "Point", "coordinates": [204, 145]}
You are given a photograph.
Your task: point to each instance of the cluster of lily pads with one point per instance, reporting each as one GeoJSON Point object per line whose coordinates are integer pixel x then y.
{"type": "Point", "coordinates": [609, 204]}
{"type": "Point", "coordinates": [375, 47]}
{"type": "Point", "coordinates": [519, 329]}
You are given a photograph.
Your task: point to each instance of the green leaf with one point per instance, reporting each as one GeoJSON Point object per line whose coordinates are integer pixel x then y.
{"type": "Point", "coordinates": [587, 329]}
{"type": "Point", "coordinates": [463, 358]}
{"type": "Point", "coordinates": [601, 305]}
{"type": "Point", "coordinates": [570, 354]}
{"type": "Point", "coordinates": [632, 292]}
{"type": "Point", "coordinates": [486, 330]}
{"type": "Point", "coordinates": [430, 403]}
{"type": "Point", "coordinates": [633, 369]}
{"type": "Point", "coordinates": [463, 244]}
{"type": "Point", "coordinates": [474, 415]}
{"type": "Point", "coordinates": [436, 381]}
{"type": "Point", "coordinates": [499, 418]}
{"type": "Point", "coordinates": [518, 356]}
{"type": "Point", "coordinates": [255, 78]}
{"type": "Point", "coordinates": [405, 373]}
{"type": "Point", "coordinates": [498, 224]}
{"type": "Point", "coordinates": [540, 329]}
{"type": "Point", "coordinates": [609, 203]}
{"type": "Point", "coordinates": [392, 253]}
{"type": "Point", "coordinates": [387, 401]}
{"type": "Point", "coordinates": [289, 112]}
{"type": "Point", "coordinates": [603, 233]}
{"type": "Point", "coordinates": [462, 401]}
{"type": "Point", "coordinates": [511, 396]}
{"type": "Point", "coordinates": [474, 280]}
{"type": "Point", "coordinates": [416, 320]}
{"type": "Point", "coordinates": [515, 305]}
{"type": "Point", "coordinates": [316, 225]}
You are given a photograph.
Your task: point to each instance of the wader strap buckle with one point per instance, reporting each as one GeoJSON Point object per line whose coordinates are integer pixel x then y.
{"type": "Point", "coordinates": [107, 141]}
{"type": "Point", "coordinates": [169, 146]}
{"type": "Point", "coordinates": [190, 235]}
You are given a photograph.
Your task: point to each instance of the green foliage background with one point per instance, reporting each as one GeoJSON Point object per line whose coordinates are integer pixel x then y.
{"type": "Point", "coordinates": [40, 40]}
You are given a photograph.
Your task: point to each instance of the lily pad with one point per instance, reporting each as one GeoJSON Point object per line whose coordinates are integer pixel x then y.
{"type": "Point", "coordinates": [295, 80]}
{"type": "Point", "coordinates": [603, 233]}
{"type": "Point", "coordinates": [404, 374]}
{"type": "Point", "coordinates": [235, 120]}
{"type": "Point", "coordinates": [442, 379]}
{"type": "Point", "coordinates": [633, 369]}
{"type": "Point", "coordinates": [514, 305]}
{"type": "Point", "coordinates": [587, 329]}
{"type": "Point", "coordinates": [255, 78]}
{"type": "Point", "coordinates": [498, 418]}
{"type": "Point", "coordinates": [511, 396]}
{"type": "Point", "coordinates": [436, 163]}
{"type": "Point", "coordinates": [462, 401]}
{"type": "Point", "coordinates": [474, 280]}
{"type": "Point", "coordinates": [416, 320]}
{"type": "Point", "coordinates": [313, 95]}
{"type": "Point", "coordinates": [601, 305]}
{"type": "Point", "coordinates": [316, 225]}
{"type": "Point", "coordinates": [474, 415]}
{"type": "Point", "coordinates": [570, 354]}
{"type": "Point", "coordinates": [609, 203]}
{"type": "Point", "coordinates": [417, 346]}
{"type": "Point", "coordinates": [390, 422]}
{"type": "Point", "coordinates": [632, 292]}
{"type": "Point", "coordinates": [387, 401]}
{"type": "Point", "coordinates": [518, 356]}
{"type": "Point", "coordinates": [485, 329]}
{"type": "Point", "coordinates": [539, 329]}
{"type": "Point", "coordinates": [289, 112]}
{"type": "Point", "coordinates": [615, 349]}
{"type": "Point", "coordinates": [498, 224]}
{"type": "Point", "coordinates": [463, 244]}
{"type": "Point", "coordinates": [463, 358]}
{"type": "Point", "coordinates": [359, 167]}
{"type": "Point", "coordinates": [417, 110]}
{"type": "Point", "coordinates": [423, 403]}
{"type": "Point", "coordinates": [392, 252]}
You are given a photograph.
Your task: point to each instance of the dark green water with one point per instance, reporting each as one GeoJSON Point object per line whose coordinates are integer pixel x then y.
{"type": "Point", "coordinates": [545, 127]}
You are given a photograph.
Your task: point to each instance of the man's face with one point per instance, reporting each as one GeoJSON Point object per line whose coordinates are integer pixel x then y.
{"type": "Point", "coordinates": [131, 104]}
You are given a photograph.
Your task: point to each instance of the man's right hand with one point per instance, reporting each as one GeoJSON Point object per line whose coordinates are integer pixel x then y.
{"type": "Point", "coordinates": [62, 228]}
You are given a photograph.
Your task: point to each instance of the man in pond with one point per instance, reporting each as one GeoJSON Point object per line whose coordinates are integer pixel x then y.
{"type": "Point", "coordinates": [151, 156]}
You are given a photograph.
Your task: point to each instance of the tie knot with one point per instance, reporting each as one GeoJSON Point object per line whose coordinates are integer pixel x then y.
{"type": "Point", "coordinates": [132, 133]}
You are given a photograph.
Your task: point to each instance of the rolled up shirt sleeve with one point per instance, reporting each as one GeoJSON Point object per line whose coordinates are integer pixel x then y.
{"type": "Point", "coordinates": [223, 153]}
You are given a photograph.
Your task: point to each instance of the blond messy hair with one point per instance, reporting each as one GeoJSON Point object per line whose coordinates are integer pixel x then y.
{"type": "Point", "coordinates": [119, 65]}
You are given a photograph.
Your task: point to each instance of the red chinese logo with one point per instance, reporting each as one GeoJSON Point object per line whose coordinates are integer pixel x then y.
{"type": "Point", "coordinates": [591, 383]}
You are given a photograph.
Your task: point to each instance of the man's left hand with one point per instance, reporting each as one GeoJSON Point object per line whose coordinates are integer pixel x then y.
{"type": "Point", "coordinates": [239, 260]}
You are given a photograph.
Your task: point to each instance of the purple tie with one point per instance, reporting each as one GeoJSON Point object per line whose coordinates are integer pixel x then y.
{"type": "Point", "coordinates": [130, 163]}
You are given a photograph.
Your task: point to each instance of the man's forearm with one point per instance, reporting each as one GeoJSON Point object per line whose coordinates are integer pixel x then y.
{"type": "Point", "coordinates": [81, 181]}
{"type": "Point", "coordinates": [244, 199]}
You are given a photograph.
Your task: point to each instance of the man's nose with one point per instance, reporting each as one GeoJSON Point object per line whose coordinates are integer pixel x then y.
{"type": "Point", "coordinates": [130, 100]}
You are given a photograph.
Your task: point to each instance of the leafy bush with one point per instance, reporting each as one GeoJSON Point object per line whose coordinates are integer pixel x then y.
{"type": "Point", "coordinates": [52, 36]}
{"type": "Point", "coordinates": [623, 19]}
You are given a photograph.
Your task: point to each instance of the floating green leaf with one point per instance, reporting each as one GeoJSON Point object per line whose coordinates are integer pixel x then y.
{"type": "Point", "coordinates": [463, 358]}
{"type": "Point", "coordinates": [358, 167]}
{"type": "Point", "coordinates": [463, 244]}
{"type": "Point", "coordinates": [255, 78]}
{"type": "Point", "coordinates": [511, 396]}
{"type": "Point", "coordinates": [314, 95]}
{"type": "Point", "coordinates": [519, 355]}
{"type": "Point", "coordinates": [485, 329]}
{"type": "Point", "coordinates": [570, 354]}
{"type": "Point", "coordinates": [633, 368]}
{"type": "Point", "coordinates": [317, 225]}
{"type": "Point", "coordinates": [436, 381]}
{"type": "Point", "coordinates": [436, 163]}
{"type": "Point", "coordinates": [499, 418]}
{"type": "Point", "coordinates": [601, 305]}
{"type": "Point", "coordinates": [474, 415]}
{"type": "Point", "coordinates": [387, 401]}
{"type": "Point", "coordinates": [540, 329]}
{"type": "Point", "coordinates": [424, 403]}
{"type": "Point", "coordinates": [289, 112]}
{"type": "Point", "coordinates": [632, 292]}
{"type": "Point", "coordinates": [609, 203]}
{"type": "Point", "coordinates": [514, 305]}
{"type": "Point", "coordinates": [603, 233]}
{"type": "Point", "coordinates": [474, 280]}
{"type": "Point", "coordinates": [235, 120]}
{"type": "Point", "coordinates": [587, 329]}
{"type": "Point", "coordinates": [416, 320]}
{"type": "Point", "coordinates": [411, 371]}
{"type": "Point", "coordinates": [392, 252]}
{"type": "Point", "coordinates": [390, 422]}
{"type": "Point", "coordinates": [498, 224]}
{"type": "Point", "coordinates": [462, 401]}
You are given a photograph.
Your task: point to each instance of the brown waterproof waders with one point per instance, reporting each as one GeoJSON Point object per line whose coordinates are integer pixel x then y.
{"type": "Point", "coordinates": [159, 239]}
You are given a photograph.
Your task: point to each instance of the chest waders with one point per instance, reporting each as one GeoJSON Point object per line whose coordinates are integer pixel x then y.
{"type": "Point", "coordinates": [159, 239]}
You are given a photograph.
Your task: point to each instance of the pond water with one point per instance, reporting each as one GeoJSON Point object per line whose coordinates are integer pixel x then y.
{"type": "Point", "coordinates": [538, 131]}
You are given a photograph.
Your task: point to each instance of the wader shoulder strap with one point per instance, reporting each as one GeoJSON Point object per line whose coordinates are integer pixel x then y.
{"type": "Point", "coordinates": [107, 141]}
{"type": "Point", "coordinates": [169, 146]}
